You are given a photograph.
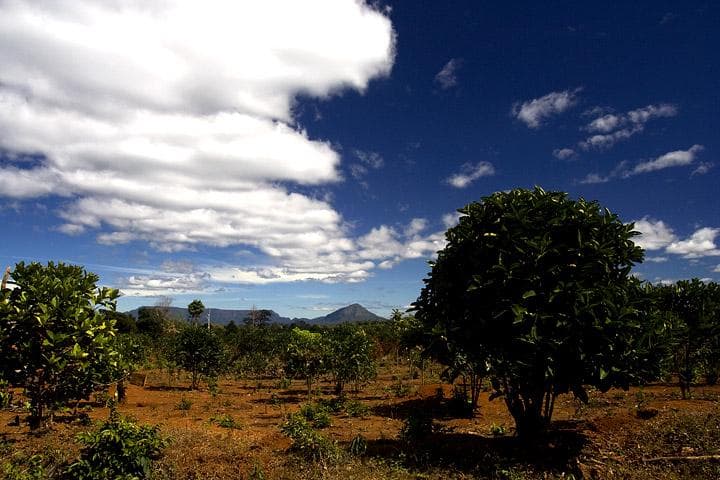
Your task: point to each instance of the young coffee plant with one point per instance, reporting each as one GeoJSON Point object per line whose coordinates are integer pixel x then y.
{"type": "Point", "coordinates": [225, 421]}
{"type": "Point", "coordinates": [307, 442]}
{"type": "Point", "coordinates": [118, 449]}
{"type": "Point", "coordinates": [317, 414]}
{"type": "Point", "coordinates": [355, 408]}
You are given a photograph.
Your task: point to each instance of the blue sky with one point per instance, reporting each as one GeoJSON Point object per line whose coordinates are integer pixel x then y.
{"type": "Point", "coordinates": [302, 156]}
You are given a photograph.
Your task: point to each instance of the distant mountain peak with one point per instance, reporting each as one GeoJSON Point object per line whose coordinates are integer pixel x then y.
{"type": "Point", "coordinates": [351, 313]}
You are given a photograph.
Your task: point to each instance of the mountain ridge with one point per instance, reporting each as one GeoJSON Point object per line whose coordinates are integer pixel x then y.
{"type": "Point", "coordinates": [348, 314]}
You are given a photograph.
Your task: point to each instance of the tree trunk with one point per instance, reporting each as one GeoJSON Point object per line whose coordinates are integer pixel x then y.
{"type": "Point", "coordinates": [531, 412]}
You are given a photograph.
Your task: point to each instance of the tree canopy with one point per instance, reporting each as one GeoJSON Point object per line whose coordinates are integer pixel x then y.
{"type": "Point", "coordinates": [55, 339]}
{"type": "Point", "coordinates": [534, 289]}
{"type": "Point", "coordinates": [195, 309]}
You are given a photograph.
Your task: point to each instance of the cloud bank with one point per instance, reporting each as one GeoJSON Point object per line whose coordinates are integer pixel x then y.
{"type": "Point", "coordinates": [171, 123]}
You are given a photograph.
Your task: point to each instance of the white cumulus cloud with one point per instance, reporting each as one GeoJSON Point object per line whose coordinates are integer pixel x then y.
{"type": "Point", "coordinates": [700, 244]}
{"type": "Point", "coordinates": [469, 173]}
{"type": "Point", "coordinates": [654, 234]}
{"type": "Point", "coordinates": [610, 128]}
{"type": "Point", "coordinates": [533, 112]}
{"type": "Point", "coordinates": [678, 158]}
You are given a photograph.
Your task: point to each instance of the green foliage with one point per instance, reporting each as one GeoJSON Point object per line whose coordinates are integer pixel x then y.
{"type": "Point", "coordinates": [349, 356]}
{"type": "Point", "coordinates": [124, 323]}
{"type": "Point", "coordinates": [119, 449]}
{"type": "Point", "coordinates": [225, 421]}
{"type": "Point", "coordinates": [184, 404]}
{"type": "Point", "coordinates": [256, 473]}
{"type": "Point", "coordinates": [306, 356]}
{"type": "Point", "coordinates": [417, 427]}
{"type": "Point", "coordinates": [54, 339]}
{"type": "Point", "coordinates": [152, 321]}
{"type": "Point", "coordinates": [694, 307]}
{"type": "Point", "coordinates": [309, 443]}
{"type": "Point", "coordinates": [256, 351]}
{"type": "Point", "coordinates": [534, 289]}
{"type": "Point", "coordinates": [257, 318]}
{"type": "Point", "coordinates": [355, 408]}
{"type": "Point", "coordinates": [497, 430]}
{"type": "Point", "coordinates": [284, 383]}
{"type": "Point", "coordinates": [195, 309]}
{"type": "Point", "coordinates": [5, 394]}
{"type": "Point", "coordinates": [31, 468]}
{"type": "Point", "coordinates": [199, 351]}
{"type": "Point", "coordinates": [317, 414]}
{"type": "Point", "coordinates": [358, 445]}
{"type": "Point", "coordinates": [460, 405]}
{"type": "Point", "coordinates": [399, 389]}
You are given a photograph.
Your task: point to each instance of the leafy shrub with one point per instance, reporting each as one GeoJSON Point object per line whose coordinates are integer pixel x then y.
{"type": "Point", "coordinates": [334, 404]}
{"type": "Point", "coordinates": [355, 408]}
{"type": "Point", "coordinates": [256, 473]}
{"type": "Point", "coordinates": [199, 351]}
{"type": "Point", "coordinates": [417, 427]}
{"type": "Point", "coordinates": [460, 405]}
{"type": "Point", "coordinates": [284, 383]}
{"type": "Point", "coordinates": [497, 430]}
{"type": "Point", "coordinates": [358, 445]}
{"type": "Point", "coordinates": [184, 404]}
{"type": "Point", "coordinates": [309, 443]}
{"type": "Point", "coordinates": [120, 449]}
{"type": "Point", "coordinates": [225, 421]}
{"type": "Point", "coordinates": [399, 389]}
{"type": "Point", "coordinates": [5, 395]}
{"type": "Point", "coordinates": [32, 468]}
{"type": "Point", "coordinates": [317, 414]}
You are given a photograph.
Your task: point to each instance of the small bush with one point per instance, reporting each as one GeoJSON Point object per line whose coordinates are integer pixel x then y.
{"type": "Point", "coordinates": [184, 404]}
{"type": "Point", "coordinates": [317, 414]}
{"type": "Point", "coordinates": [225, 421]}
{"type": "Point", "coordinates": [309, 443]}
{"type": "Point", "coordinates": [284, 383]}
{"type": "Point", "coordinates": [497, 430]}
{"type": "Point", "coordinates": [334, 405]}
{"type": "Point", "coordinates": [256, 473]}
{"type": "Point", "coordinates": [32, 468]}
{"type": "Point", "coordinates": [417, 427]}
{"type": "Point", "coordinates": [399, 389]}
{"type": "Point", "coordinates": [120, 449]}
{"type": "Point", "coordinates": [5, 395]}
{"type": "Point", "coordinates": [355, 408]}
{"type": "Point", "coordinates": [358, 445]}
{"type": "Point", "coordinates": [460, 405]}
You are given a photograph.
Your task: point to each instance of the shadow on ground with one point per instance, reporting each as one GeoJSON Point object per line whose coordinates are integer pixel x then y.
{"type": "Point", "coordinates": [556, 451]}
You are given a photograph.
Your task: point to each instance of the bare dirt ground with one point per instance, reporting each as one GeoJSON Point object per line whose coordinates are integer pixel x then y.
{"type": "Point", "coordinates": [617, 435]}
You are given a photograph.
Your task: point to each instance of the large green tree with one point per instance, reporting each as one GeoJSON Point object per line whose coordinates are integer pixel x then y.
{"type": "Point", "coordinates": [55, 340]}
{"type": "Point", "coordinates": [535, 289]}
